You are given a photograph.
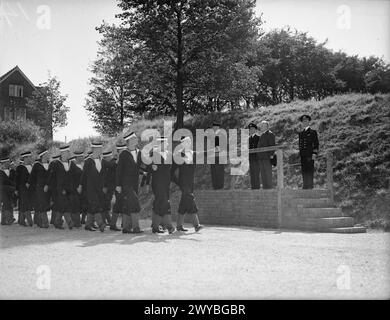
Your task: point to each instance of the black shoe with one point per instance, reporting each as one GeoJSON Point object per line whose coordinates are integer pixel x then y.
{"type": "Point", "coordinates": [172, 230]}
{"type": "Point", "coordinates": [125, 231]}
{"type": "Point", "coordinates": [157, 230]}
{"type": "Point", "coordinates": [102, 227]}
{"type": "Point", "coordinates": [181, 228]}
{"type": "Point", "coordinates": [115, 229]}
{"type": "Point", "coordinates": [198, 227]}
{"type": "Point", "coordinates": [89, 228]}
{"type": "Point", "coordinates": [136, 230]}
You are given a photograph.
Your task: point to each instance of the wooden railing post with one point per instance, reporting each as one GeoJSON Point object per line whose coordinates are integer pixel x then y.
{"type": "Point", "coordinates": [280, 184]}
{"type": "Point", "coordinates": [329, 175]}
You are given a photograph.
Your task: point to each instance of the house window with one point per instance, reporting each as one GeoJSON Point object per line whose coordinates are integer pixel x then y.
{"type": "Point", "coordinates": [15, 90]}
{"type": "Point", "coordinates": [11, 113]}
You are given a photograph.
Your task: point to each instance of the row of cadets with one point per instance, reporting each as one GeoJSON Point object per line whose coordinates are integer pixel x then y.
{"type": "Point", "coordinates": [7, 189]}
{"type": "Point", "coordinates": [127, 183]}
{"type": "Point", "coordinates": [184, 175]}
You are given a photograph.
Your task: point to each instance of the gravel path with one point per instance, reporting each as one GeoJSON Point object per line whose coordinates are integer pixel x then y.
{"type": "Point", "coordinates": [216, 263]}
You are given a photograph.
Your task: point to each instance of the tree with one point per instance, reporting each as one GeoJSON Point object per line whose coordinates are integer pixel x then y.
{"type": "Point", "coordinates": [185, 40]}
{"type": "Point", "coordinates": [47, 106]}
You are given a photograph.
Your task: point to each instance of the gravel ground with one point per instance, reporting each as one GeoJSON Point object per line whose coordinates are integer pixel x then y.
{"type": "Point", "coordinates": [216, 263]}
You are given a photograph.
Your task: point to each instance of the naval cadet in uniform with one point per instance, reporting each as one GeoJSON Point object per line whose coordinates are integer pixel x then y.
{"type": "Point", "coordinates": [308, 150]}
{"type": "Point", "coordinates": [7, 189]}
{"type": "Point", "coordinates": [266, 139]}
{"type": "Point", "coordinates": [254, 165]}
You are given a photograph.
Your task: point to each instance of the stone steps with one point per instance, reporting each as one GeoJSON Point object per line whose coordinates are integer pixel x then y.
{"type": "Point", "coordinates": [321, 212]}
{"type": "Point", "coordinates": [354, 229]}
{"type": "Point", "coordinates": [313, 202]}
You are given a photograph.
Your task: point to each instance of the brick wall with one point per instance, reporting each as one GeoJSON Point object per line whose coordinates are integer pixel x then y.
{"type": "Point", "coordinates": [255, 208]}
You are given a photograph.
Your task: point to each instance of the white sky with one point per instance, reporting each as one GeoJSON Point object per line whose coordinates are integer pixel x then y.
{"type": "Point", "coordinates": [69, 46]}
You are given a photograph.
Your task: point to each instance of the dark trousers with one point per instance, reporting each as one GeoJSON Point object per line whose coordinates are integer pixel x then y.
{"type": "Point", "coordinates": [254, 171]}
{"type": "Point", "coordinates": [76, 220]}
{"type": "Point", "coordinates": [266, 173]}
{"type": "Point", "coordinates": [307, 166]}
{"type": "Point", "coordinates": [217, 176]}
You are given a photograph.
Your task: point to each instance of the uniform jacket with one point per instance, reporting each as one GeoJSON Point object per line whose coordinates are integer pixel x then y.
{"type": "Point", "coordinates": [253, 144]}
{"type": "Point", "coordinates": [21, 178]}
{"type": "Point", "coordinates": [37, 181]}
{"type": "Point", "coordinates": [266, 139]}
{"type": "Point", "coordinates": [92, 185]}
{"type": "Point", "coordinates": [308, 142]}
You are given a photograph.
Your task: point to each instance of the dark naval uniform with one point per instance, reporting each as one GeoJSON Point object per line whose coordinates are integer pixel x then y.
{"type": "Point", "coordinates": [92, 187]}
{"type": "Point", "coordinates": [108, 175]}
{"type": "Point", "coordinates": [51, 183]}
{"type": "Point", "coordinates": [183, 175]}
{"type": "Point", "coordinates": [24, 194]}
{"type": "Point", "coordinates": [217, 170]}
{"type": "Point", "coordinates": [7, 188]}
{"type": "Point", "coordinates": [127, 177]}
{"type": "Point", "coordinates": [254, 165]}
{"type": "Point", "coordinates": [308, 145]}
{"type": "Point", "coordinates": [266, 139]}
{"type": "Point", "coordinates": [37, 181]}
{"type": "Point", "coordinates": [73, 180]}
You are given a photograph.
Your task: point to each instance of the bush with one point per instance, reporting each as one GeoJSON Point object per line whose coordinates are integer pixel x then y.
{"type": "Point", "coordinates": [14, 134]}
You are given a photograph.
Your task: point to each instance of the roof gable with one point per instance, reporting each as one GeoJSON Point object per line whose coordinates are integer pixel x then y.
{"type": "Point", "coordinates": [13, 70]}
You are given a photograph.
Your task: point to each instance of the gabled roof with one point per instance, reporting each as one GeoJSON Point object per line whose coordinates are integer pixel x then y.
{"type": "Point", "coordinates": [15, 69]}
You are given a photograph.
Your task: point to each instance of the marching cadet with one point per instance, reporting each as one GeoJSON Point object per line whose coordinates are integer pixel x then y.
{"type": "Point", "coordinates": [74, 176]}
{"type": "Point", "coordinates": [50, 186]}
{"type": "Point", "coordinates": [254, 165]}
{"type": "Point", "coordinates": [217, 169]}
{"type": "Point", "coordinates": [108, 175]}
{"type": "Point", "coordinates": [37, 181]}
{"type": "Point", "coordinates": [61, 190]}
{"type": "Point", "coordinates": [267, 139]}
{"type": "Point", "coordinates": [22, 189]}
{"type": "Point", "coordinates": [84, 205]}
{"type": "Point", "coordinates": [308, 147]}
{"type": "Point", "coordinates": [117, 208]}
{"type": "Point", "coordinates": [12, 176]}
{"type": "Point", "coordinates": [185, 180]}
{"type": "Point", "coordinates": [91, 184]}
{"type": "Point", "coordinates": [127, 183]}
{"type": "Point", "coordinates": [161, 179]}
{"type": "Point", "coordinates": [7, 189]}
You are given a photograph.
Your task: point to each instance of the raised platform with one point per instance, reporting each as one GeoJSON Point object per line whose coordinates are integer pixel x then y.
{"type": "Point", "coordinates": [300, 209]}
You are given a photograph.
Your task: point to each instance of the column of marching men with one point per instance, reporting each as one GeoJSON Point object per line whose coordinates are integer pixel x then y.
{"type": "Point", "coordinates": [95, 188]}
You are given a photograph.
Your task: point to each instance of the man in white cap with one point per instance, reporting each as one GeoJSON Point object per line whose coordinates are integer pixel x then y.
{"type": "Point", "coordinates": [185, 180]}
{"type": "Point", "coordinates": [161, 180]}
{"type": "Point", "coordinates": [7, 188]}
{"type": "Point", "coordinates": [37, 181]}
{"type": "Point", "coordinates": [91, 183]}
{"type": "Point", "coordinates": [50, 186]}
{"type": "Point", "coordinates": [127, 183]}
{"type": "Point", "coordinates": [22, 190]}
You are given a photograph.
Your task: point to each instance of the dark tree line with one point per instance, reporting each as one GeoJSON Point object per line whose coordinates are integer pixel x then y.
{"type": "Point", "coordinates": [184, 57]}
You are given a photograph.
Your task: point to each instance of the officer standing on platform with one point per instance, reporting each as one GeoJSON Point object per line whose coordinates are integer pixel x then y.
{"type": "Point", "coordinates": [23, 192]}
{"type": "Point", "coordinates": [91, 183]}
{"type": "Point", "coordinates": [7, 189]}
{"type": "Point", "coordinates": [217, 169]}
{"type": "Point", "coordinates": [37, 181]}
{"type": "Point", "coordinates": [308, 149]}
{"type": "Point", "coordinates": [254, 165]}
{"type": "Point", "coordinates": [266, 139]}
{"type": "Point", "coordinates": [127, 183]}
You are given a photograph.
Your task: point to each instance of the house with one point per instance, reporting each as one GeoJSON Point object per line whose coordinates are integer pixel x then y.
{"type": "Point", "coordinates": [15, 87]}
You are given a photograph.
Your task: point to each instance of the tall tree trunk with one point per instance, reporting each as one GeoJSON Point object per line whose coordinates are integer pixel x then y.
{"type": "Point", "coordinates": [179, 75]}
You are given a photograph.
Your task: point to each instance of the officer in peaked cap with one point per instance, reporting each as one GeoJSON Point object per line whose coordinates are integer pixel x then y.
{"type": "Point", "coordinates": [308, 149]}
{"type": "Point", "coordinates": [254, 165]}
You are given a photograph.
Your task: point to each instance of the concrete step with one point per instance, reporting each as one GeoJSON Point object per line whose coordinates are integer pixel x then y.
{"type": "Point", "coordinates": [321, 212]}
{"type": "Point", "coordinates": [314, 202]}
{"type": "Point", "coordinates": [321, 224]}
{"type": "Point", "coordinates": [355, 229]}
{"type": "Point", "coordinates": [307, 194]}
